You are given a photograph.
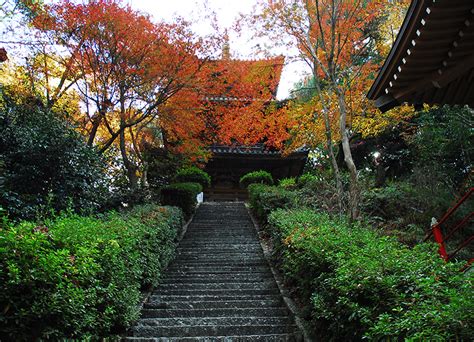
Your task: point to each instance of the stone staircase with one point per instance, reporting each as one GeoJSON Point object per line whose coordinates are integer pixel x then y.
{"type": "Point", "coordinates": [219, 288]}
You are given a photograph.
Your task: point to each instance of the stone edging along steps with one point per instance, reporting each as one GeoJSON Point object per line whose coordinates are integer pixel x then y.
{"type": "Point", "coordinates": [219, 287]}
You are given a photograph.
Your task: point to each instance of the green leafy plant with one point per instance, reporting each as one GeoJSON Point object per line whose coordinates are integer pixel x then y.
{"type": "Point", "coordinates": [358, 284]}
{"type": "Point", "coordinates": [80, 277]}
{"type": "Point", "coordinates": [264, 199]}
{"type": "Point", "coordinates": [193, 175]}
{"type": "Point", "coordinates": [45, 162]}
{"type": "Point", "coordinates": [262, 177]}
{"type": "Point", "coordinates": [287, 183]}
{"type": "Point", "coordinates": [182, 195]}
{"type": "Point", "coordinates": [306, 178]}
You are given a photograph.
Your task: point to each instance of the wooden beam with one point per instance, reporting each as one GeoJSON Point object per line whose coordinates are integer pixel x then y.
{"type": "Point", "coordinates": [440, 79]}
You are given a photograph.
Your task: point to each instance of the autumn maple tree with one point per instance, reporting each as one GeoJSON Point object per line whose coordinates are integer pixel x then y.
{"type": "Point", "coordinates": [125, 67]}
{"type": "Point", "coordinates": [335, 39]}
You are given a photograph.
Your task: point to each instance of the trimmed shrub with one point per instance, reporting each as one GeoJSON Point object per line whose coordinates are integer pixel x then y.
{"type": "Point", "coordinates": [262, 177]}
{"type": "Point", "coordinates": [287, 183]}
{"type": "Point", "coordinates": [264, 199]}
{"type": "Point", "coordinates": [182, 195]}
{"type": "Point", "coordinates": [80, 277]}
{"type": "Point", "coordinates": [306, 178]}
{"type": "Point", "coordinates": [193, 175]}
{"type": "Point", "coordinates": [358, 284]}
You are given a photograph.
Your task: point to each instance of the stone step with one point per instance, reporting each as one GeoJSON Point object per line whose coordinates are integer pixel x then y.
{"type": "Point", "coordinates": [211, 330]}
{"type": "Point", "coordinates": [210, 273]}
{"type": "Point", "coordinates": [268, 285]}
{"type": "Point", "coordinates": [216, 312]}
{"type": "Point", "coordinates": [214, 321]}
{"type": "Point", "coordinates": [217, 273]}
{"type": "Point", "coordinates": [212, 264]}
{"type": "Point", "coordinates": [219, 234]}
{"type": "Point", "coordinates": [205, 245]}
{"type": "Point", "coordinates": [212, 268]}
{"type": "Point", "coordinates": [218, 258]}
{"type": "Point", "coordinates": [234, 243]}
{"type": "Point", "coordinates": [219, 288]}
{"type": "Point", "coordinates": [219, 252]}
{"type": "Point", "coordinates": [215, 304]}
{"type": "Point", "coordinates": [160, 297]}
{"type": "Point", "coordinates": [212, 235]}
{"type": "Point", "coordinates": [218, 292]}
{"type": "Point", "coordinates": [222, 224]}
{"type": "Point", "coordinates": [240, 338]}
{"type": "Point", "coordinates": [256, 259]}
{"type": "Point", "coordinates": [195, 279]}
{"type": "Point", "coordinates": [222, 250]}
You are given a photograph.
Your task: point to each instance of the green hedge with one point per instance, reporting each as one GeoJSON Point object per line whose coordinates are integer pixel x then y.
{"type": "Point", "coordinates": [182, 195]}
{"type": "Point", "coordinates": [306, 178]}
{"type": "Point", "coordinates": [263, 199]}
{"type": "Point", "coordinates": [80, 277]}
{"type": "Point", "coordinates": [262, 177]}
{"type": "Point", "coordinates": [358, 284]}
{"type": "Point", "coordinates": [193, 175]}
{"type": "Point", "coordinates": [287, 183]}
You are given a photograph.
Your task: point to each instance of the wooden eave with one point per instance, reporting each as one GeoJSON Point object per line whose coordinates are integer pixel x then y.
{"type": "Point", "coordinates": [257, 151]}
{"type": "Point", "coordinates": [432, 59]}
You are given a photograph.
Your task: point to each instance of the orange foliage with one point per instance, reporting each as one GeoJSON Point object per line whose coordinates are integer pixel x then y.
{"type": "Point", "coordinates": [126, 67]}
{"type": "Point", "coordinates": [133, 73]}
{"type": "Point", "coordinates": [238, 102]}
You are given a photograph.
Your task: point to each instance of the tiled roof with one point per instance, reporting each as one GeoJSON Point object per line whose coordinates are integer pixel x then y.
{"type": "Point", "coordinates": [258, 149]}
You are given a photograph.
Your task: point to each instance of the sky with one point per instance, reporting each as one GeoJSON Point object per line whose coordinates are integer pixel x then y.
{"type": "Point", "coordinates": [226, 12]}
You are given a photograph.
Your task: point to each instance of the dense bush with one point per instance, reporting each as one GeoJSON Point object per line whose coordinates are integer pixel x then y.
{"type": "Point", "coordinates": [442, 145]}
{"type": "Point", "coordinates": [182, 195]}
{"type": "Point", "coordinates": [46, 163]}
{"type": "Point", "coordinates": [287, 183]}
{"type": "Point", "coordinates": [360, 284]}
{"type": "Point", "coordinates": [389, 201]}
{"type": "Point", "coordinates": [163, 165]}
{"type": "Point", "coordinates": [318, 190]}
{"type": "Point", "coordinates": [306, 178]}
{"type": "Point", "coordinates": [193, 175]}
{"type": "Point", "coordinates": [78, 276]}
{"type": "Point", "coordinates": [264, 199]}
{"type": "Point", "coordinates": [262, 177]}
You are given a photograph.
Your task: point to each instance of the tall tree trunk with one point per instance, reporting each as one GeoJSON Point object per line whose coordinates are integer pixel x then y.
{"type": "Point", "coordinates": [129, 165]}
{"type": "Point", "coordinates": [329, 143]}
{"type": "Point", "coordinates": [332, 157]}
{"type": "Point", "coordinates": [354, 191]}
{"type": "Point", "coordinates": [95, 126]}
{"type": "Point", "coordinates": [142, 163]}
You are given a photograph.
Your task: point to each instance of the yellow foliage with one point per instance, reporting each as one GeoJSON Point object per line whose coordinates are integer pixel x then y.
{"type": "Point", "coordinates": [376, 122]}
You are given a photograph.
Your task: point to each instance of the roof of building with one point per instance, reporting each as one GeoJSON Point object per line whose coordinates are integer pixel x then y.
{"type": "Point", "coordinates": [253, 150]}
{"type": "Point", "coordinates": [432, 59]}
